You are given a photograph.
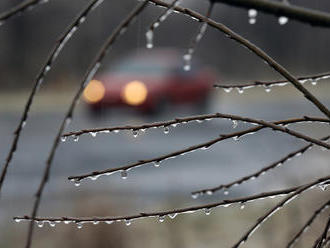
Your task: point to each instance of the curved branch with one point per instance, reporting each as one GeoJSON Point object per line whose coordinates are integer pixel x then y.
{"type": "Point", "coordinates": [309, 16]}
{"type": "Point", "coordinates": [312, 78]}
{"type": "Point", "coordinates": [26, 5]}
{"type": "Point", "coordinates": [255, 175]}
{"type": "Point", "coordinates": [278, 207]}
{"type": "Point", "coordinates": [88, 76]}
{"type": "Point", "coordinates": [308, 224]}
{"type": "Point", "coordinates": [94, 175]}
{"type": "Point", "coordinates": [256, 50]}
{"type": "Point", "coordinates": [171, 213]}
{"type": "Point", "coordinates": [63, 39]}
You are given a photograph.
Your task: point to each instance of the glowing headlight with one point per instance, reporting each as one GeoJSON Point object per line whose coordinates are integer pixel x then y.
{"type": "Point", "coordinates": [94, 92]}
{"type": "Point", "coordinates": [135, 93]}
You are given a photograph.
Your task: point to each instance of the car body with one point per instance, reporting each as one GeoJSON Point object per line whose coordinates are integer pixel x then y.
{"type": "Point", "coordinates": [148, 81]}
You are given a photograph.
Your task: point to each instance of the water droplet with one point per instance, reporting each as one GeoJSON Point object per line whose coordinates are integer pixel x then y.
{"type": "Point", "coordinates": [252, 21]}
{"type": "Point", "coordinates": [161, 218]}
{"type": "Point", "coordinates": [123, 174]}
{"type": "Point", "coordinates": [205, 147]}
{"type": "Point", "coordinates": [150, 37]}
{"type": "Point", "coordinates": [267, 89]}
{"type": "Point", "coordinates": [67, 222]}
{"type": "Point", "coordinates": [128, 222]}
{"type": "Point", "coordinates": [52, 223]}
{"type": "Point", "coordinates": [236, 138]}
{"type": "Point", "coordinates": [79, 225]}
{"type": "Point", "coordinates": [77, 183]}
{"type": "Point", "coordinates": [95, 222]}
{"type": "Point", "coordinates": [209, 192]}
{"type": "Point", "coordinates": [226, 192]}
{"type": "Point", "coordinates": [93, 134]}
{"type": "Point", "coordinates": [156, 163]}
{"type": "Point", "coordinates": [314, 82]}
{"type": "Point", "coordinates": [23, 124]}
{"type": "Point", "coordinates": [94, 177]}
{"type": "Point", "coordinates": [282, 20]}
{"type": "Point", "coordinates": [240, 90]}
{"type": "Point", "coordinates": [194, 196]}
{"type": "Point", "coordinates": [252, 13]}
{"type": "Point", "coordinates": [40, 224]}
{"type": "Point", "coordinates": [47, 68]}
{"type": "Point", "coordinates": [135, 133]}
{"type": "Point", "coordinates": [242, 206]}
{"type": "Point", "coordinates": [75, 138]}
{"type": "Point", "coordinates": [109, 222]}
{"type": "Point", "coordinates": [235, 123]}
{"type": "Point", "coordinates": [207, 211]}
{"type": "Point", "coordinates": [166, 130]}
{"type": "Point", "coordinates": [199, 121]}
{"type": "Point", "coordinates": [172, 216]}
{"type": "Point", "coordinates": [82, 19]}
{"type": "Point", "coordinates": [17, 220]}
{"type": "Point", "coordinates": [116, 131]}
{"type": "Point", "coordinates": [227, 90]}
{"type": "Point", "coordinates": [63, 138]}
{"type": "Point", "coordinates": [187, 61]}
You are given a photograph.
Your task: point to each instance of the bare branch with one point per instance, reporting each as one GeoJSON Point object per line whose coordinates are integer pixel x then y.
{"type": "Point", "coordinates": [279, 206]}
{"type": "Point", "coordinates": [255, 175]}
{"type": "Point", "coordinates": [63, 39]}
{"type": "Point", "coordinates": [312, 17]}
{"type": "Point", "coordinates": [307, 225]}
{"type": "Point", "coordinates": [89, 74]}
{"type": "Point", "coordinates": [312, 78]}
{"type": "Point", "coordinates": [323, 238]}
{"type": "Point", "coordinates": [94, 175]}
{"type": "Point", "coordinates": [171, 213]}
{"type": "Point", "coordinates": [179, 121]}
{"type": "Point", "coordinates": [20, 8]}
{"type": "Point", "coordinates": [253, 48]}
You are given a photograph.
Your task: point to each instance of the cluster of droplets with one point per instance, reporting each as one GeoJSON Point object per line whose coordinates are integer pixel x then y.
{"type": "Point", "coordinates": [240, 89]}
{"type": "Point", "coordinates": [252, 13]}
{"type": "Point", "coordinates": [161, 18]}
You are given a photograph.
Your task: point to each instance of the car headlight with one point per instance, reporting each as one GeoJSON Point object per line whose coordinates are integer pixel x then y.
{"type": "Point", "coordinates": [134, 93]}
{"type": "Point", "coordinates": [94, 92]}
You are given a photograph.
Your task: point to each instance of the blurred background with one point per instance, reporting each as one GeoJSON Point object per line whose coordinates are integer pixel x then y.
{"type": "Point", "coordinates": [24, 45]}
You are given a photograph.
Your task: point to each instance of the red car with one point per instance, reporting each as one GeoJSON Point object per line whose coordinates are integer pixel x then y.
{"type": "Point", "coordinates": [150, 80]}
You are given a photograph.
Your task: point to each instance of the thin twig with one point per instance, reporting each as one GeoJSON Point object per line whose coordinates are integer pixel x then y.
{"type": "Point", "coordinates": [178, 121]}
{"type": "Point", "coordinates": [157, 160]}
{"type": "Point", "coordinates": [208, 207]}
{"type": "Point", "coordinates": [322, 239]}
{"type": "Point", "coordinates": [307, 225]}
{"type": "Point", "coordinates": [312, 78]}
{"type": "Point", "coordinates": [63, 39]}
{"type": "Point", "coordinates": [256, 174]}
{"type": "Point", "coordinates": [89, 74]}
{"type": "Point", "coordinates": [312, 17]}
{"type": "Point", "coordinates": [278, 206]}
{"type": "Point", "coordinates": [256, 50]}
{"type": "Point", "coordinates": [20, 8]}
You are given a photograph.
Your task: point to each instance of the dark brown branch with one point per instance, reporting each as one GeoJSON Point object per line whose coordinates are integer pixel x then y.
{"type": "Point", "coordinates": [63, 39]}
{"type": "Point", "coordinates": [307, 225]}
{"type": "Point", "coordinates": [322, 239]}
{"type": "Point", "coordinates": [205, 145]}
{"type": "Point", "coordinates": [312, 78]}
{"type": "Point", "coordinates": [256, 50]}
{"type": "Point", "coordinates": [208, 207]}
{"type": "Point", "coordinates": [178, 121]}
{"type": "Point", "coordinates": [312, 17]}
{"type": "Point", "coordinates": [26, 5]}
{"type": "Point", "coordinates": [256, 174]}
{"type": "Point", "coordinates": [89, 74]}
{"type": "Point", "coordinates": [278, 207]}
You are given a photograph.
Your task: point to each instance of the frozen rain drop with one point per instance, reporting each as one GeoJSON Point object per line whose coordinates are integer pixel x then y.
{"type": "Point", "coordinates": [40, 224]}
{"type": "Point", "coordinates": [194, 196]}
{"type": "Point", "coordinates": [209, 192]}
{"type": "Point", "coordinates": [63, 138]}
{"type": "Point", "coordinates": [226, 192]}
{"type": "Point", "coordinates": [236, 138]}
{"type": "Point", "coordinates": [314, 82]}
{"type": "Point", "coordinates": [79, 225]}
{"type": "Point", "coordinates": [242, 206]}
{"type": "Point", "coordinates": [235, 123]}
{"type": "Point", "coordinates": [252, 13]}
{"type": "Point", "coordinates": [75, 138]}
{"type": "Point", "coordinates": [123, 174]}
{"type": "Point", "coordinates": [161, 218]}
{"type": "Point", "coordinates": [52, 224]}
{"type": "Point", "coordinates": [166, 130]}
{"type": "Point", "coordinates": [135, 133]}
{"type": "Point", "coordinates": [227, 90]}
{"type": "Point", "coordinates": [17, 220]}
{"type": "Point", "coordinates": [207, 211]}
{"type": "Point", "coordinates": [187, 61]}
{"type": "Point", "coordinates": [267, 89]}
{"type": "Point", "coordinates": [77, 183]}
{"type": "Point", "coordinates": [282, 20]}
{"type": "Point", "coordinates": [156, 164]}
{"type": "Point", "coordinates": [240, 90]}
{"type": "Point", "coordinates": [150, 37]}
{"type": "Point", "coordinates": [93, 134]}
{"type": "Point", "coordinates": [128, 222]}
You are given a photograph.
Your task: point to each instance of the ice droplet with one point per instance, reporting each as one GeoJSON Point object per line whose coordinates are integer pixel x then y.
{"type": "Point", "coordinates": [227, 90]}
{"type": "Point", "coordinates": [235, 123]}
{"type": "Point", "coordinates": [63, 138]}
{"type": "Point", "coordinates": [52, 224]}
{"type": "Point", "coordinates": [187, 61]}
{"type": "Point", "coordinates": [252, 21]}
{"type": "Point", "coordinates": [40, 224]}
{"type": "Point", "coordinates": [109, 222]}
{"type": "Point", "coordinates": [240, 90]}
{"type": "Point", "coordinates": [77, 183]}
{"type": "Point", "coordinates": [128, 222]}
{"type": "Point", "coordinates": [282, 20]}
{"type": "Point", "coordinates": [135, 133]}
{"type": "Point", "coordinates": [95, 222]}
{"type": "Point", "coordinates": [150, 37]}
{"type": "Point", "coordinates": [207, 211]}
{"type": "Point", "coordinates": [166, 130]}
{"type": "Point", "coordinates": [226, 192]}
{"type": "Point", "coordinates": [79, 225]}
{"type": "Point", "coordinates": [267, 89]}
{"type": "Point", "coordinates": [123, 174]}
{"type": "Point", "coordinates": [236, 138]}
{"type": "Point", "coordinates": [242, 206]}
{"type": "Point", "coordinates": [93, 134]}
{"type": "Point", "coordinates": [156, 163]}
{"type": "Point", "coordinates": [75, 138]}
{"type": "Point", "coordinates": [194, 196]}
{"type": "Point", "coordinates": [252, 13]}
{"type": "Point", "coordinates": [17, 220]}
{"type": "Point", "coordinates": [314, 82]}
{"type": "Point", "coordinates": [161, 218]}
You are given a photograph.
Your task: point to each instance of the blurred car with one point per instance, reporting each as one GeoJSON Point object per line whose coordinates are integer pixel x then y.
{"type": "Point", "coordinates": [150, 81]}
